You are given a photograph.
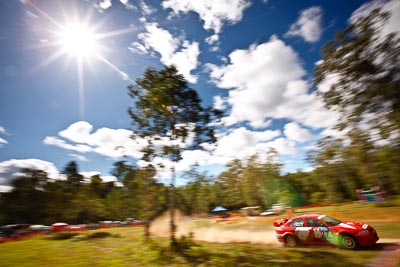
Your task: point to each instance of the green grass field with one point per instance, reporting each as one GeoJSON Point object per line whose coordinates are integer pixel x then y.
{"type": "Point", "coordinates": [125, 246]}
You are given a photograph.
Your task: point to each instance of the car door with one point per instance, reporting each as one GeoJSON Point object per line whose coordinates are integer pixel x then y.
{"type": "Point", "coordinates": [300, 230]}
{"type": "Point", "coordinates": [320, 232]}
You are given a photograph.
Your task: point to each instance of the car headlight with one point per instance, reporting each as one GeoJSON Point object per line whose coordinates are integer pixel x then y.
{"type": "Point", "coordinates": [363, 232]}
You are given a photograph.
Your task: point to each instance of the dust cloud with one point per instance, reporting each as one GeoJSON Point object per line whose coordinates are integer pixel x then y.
{"type": "Point", "coordinates": [215, 234]}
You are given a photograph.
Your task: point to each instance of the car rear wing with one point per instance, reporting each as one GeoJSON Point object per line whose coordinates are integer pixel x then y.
{"type": "Point", "coordinates": [280, 222]}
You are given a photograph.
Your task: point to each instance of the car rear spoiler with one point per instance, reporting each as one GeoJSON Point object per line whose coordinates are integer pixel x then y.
{"type": "Point", "coordinates": [280, 222]}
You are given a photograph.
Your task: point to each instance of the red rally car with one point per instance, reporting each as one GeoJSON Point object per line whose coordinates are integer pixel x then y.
{"type": "Point", "coordinates": [322, 229]}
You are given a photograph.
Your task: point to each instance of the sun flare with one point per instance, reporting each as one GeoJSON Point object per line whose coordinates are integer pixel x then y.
{"type": "Point", "coordinates": [79, 40]}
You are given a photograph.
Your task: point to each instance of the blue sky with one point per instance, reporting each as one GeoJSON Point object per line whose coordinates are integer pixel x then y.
{"type": "Point", "coordinates": [64, 99]}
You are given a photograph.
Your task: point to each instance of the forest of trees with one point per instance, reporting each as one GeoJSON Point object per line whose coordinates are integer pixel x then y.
{"type": "Point", "coordinates": [366, 93]}
{"type": "Point", "coordinates": [256, 181]}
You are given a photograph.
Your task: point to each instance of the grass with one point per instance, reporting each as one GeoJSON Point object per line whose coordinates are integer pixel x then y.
{"type": "Point", "coordinates": [125, 246]}
{"type": "Point", "coordinates": [134, 251]}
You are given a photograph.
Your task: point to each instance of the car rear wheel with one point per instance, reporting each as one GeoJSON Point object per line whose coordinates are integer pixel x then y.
{"type": "Point", "coordinates": [347, 241]}
{"type": "Point", "coordinates": [290, 241]}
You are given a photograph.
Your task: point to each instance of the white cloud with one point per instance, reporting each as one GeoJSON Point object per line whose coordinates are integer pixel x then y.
{"type": "Point", "coordinates": [236, 144]}
{"type": "Point", "coordinates": [159, 40]}
{"type": "Point", "coordinates": [214, 13]}
{"type": "Point", "coordinates": [117, 143]}
{"type": "Point", "coordinates": [265, 82]}
{"type": "Point", "coordinates": [102, 5]}
{"type": "Point", "coordinates": [241, 142]}
{"type": "Point", "coordinates": [173, 51]}
{"type": "Point", "coordinates": [78, 132]}
{"type": "Point", "coordinates": [2, 142]}
{"type": "Point", "coordinates": [283, 146]}
{"type": "Point", "coordinates": [2, 130]}
{"type": "Point", "coordinates": [12, 169]}
{"type": "Point", "coordinates": [219, 102]}
{"type": "Point", "coordinates": [128, 5]}
{"type": "Point", "coordinates": [294, 132]}
{"type": "Point", "coordinates": [105, 4]}
{"type": "Point", "coordinates": [137, 47]}
{"type": "Point", "coordinates": [146, 9]}
{"type": "Point", "coordinates": [79, 157]}
{"type": "Point", "coordinates": [212, 39]}
{"type": "Point", "coordinates": [113, 143]}
{"type": "Point", "coordinates": [55, 141]}
{"type": "Point", "coordinates": [308, 25]}
{"type": "Point", "coordinates": [186, 60]}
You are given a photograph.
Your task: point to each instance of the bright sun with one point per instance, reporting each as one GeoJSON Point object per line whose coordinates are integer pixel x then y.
{"type": "Point", "coordinates": [79, 40]}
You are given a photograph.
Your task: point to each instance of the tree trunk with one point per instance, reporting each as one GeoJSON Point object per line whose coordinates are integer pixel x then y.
{"type": "Point", "coordinates": [172, 209]}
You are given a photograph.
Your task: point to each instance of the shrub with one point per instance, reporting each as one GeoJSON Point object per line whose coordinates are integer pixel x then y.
{"type": "Point", "coordinates": [63, 236]}
{"type": "Point", "coordinates": [99, 235]}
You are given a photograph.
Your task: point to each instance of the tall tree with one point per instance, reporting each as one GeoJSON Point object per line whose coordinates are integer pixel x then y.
{"type": "Point", "coordinates": [195, 195]}
{"type": "Point", "coordinates": [168, 114]}
{"type": "Point", "coordinates": [74, 179]}
{"type": "Point", "coordinates": [122, 170]}
{"type": "Point", "coordinates": [363, 64]}
{"type": "Point", "coordinates": [231, 185]}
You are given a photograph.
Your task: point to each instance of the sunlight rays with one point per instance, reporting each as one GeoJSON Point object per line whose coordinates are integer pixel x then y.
{"type": "Point", "coordinates": [78, 39]}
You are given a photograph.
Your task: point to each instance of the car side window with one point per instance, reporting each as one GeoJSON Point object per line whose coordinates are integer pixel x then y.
{"type": "Point", "coordinates": [313, 223]}
{"type": "Point", "coordinates": [297, 223]}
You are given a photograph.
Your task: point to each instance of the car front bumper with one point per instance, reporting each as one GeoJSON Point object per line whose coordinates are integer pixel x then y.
{"type": "Point", "coordinates": [368, 240]}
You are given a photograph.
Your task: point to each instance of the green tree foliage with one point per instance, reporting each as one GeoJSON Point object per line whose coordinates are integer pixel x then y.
{"type": "Point", "coordinates": [150, 196]}
{"type": "Point", "coordinates": [35, 199]}
{"type": "Point", "coordinates": [119, 205]}
{"type": "Point", "coordinates": [26, 202]}
{"type": "Point", "coordinates": [165, 108]}
{"type": "Point", "coordinates": [342, 168]}
{"type": "Point", "coordinates": [86, 207]}
{"type": "Point", "coordinates": [123, 171]}
{"type": "Point", "coordinates": [194, 197]}
{"type": "Point", "coordinates": [74, 179]}
{"type": "Point", "coordinates": [363, 64]}
{"type": "Point", "coordinates": [230, 183]}
{"type": "Point", "coordinates": [366, 65]}
{"type": "Point", "coordinates": [388, 168]}
{"type": "Point", "coordinates": [254, 182]}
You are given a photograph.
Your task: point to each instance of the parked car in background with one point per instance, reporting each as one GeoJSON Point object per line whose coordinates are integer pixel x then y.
{"type": "Point", "coordinates": [39, 228]}
{"type": "Point", "coordinates": [269, 212]}
{"type": "Point", "coordinates": [58, 227]}
{"type": "Point", "coordinates": [133, 221]}
{"type": "Point", "coordinates": [322, 229]}
{"type": "Point", "coordinates": [14, 230]}
{"type": "Point", "coordinates": [77, 227]}
{"type": "Point", "coordinates": [274, 210]}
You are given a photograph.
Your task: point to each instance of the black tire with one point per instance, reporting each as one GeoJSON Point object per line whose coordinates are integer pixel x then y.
{"type": "Point", "coordinates": [291, 241]}
{"type": "Point", "coordinates": [347, 241]}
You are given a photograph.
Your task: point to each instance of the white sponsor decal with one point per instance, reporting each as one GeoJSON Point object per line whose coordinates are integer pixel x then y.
{"type": "Point", "coordinates": [302, 232]}
{"type": "Point", "coordinates": [346, 226]}
{"type": "Point", "coordinates": [364, 226]}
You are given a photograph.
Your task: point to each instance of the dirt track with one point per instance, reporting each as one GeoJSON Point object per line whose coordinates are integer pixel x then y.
{"type": "Point", "coordinates": [215, 232]}
{"type": "Point", "coordinates": [220, 234]}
